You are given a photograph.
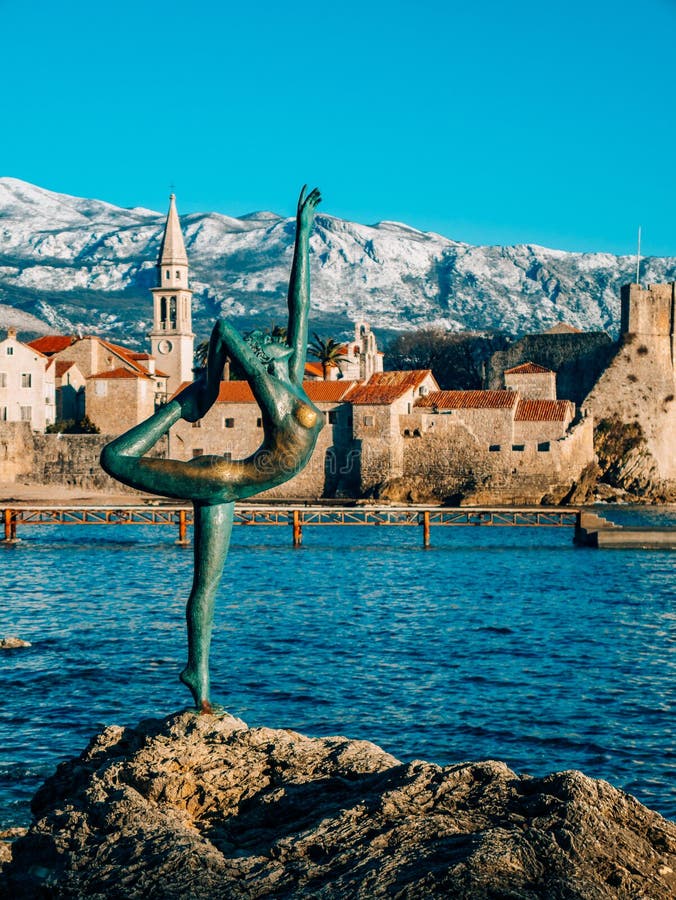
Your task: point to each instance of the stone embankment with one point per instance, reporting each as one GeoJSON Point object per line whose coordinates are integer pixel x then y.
{"type": "Point", "coordinates": [203, 807]}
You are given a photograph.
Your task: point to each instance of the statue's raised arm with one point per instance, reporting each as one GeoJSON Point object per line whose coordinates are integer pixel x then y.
{"type": "Point", "coordinates": [299, 284]}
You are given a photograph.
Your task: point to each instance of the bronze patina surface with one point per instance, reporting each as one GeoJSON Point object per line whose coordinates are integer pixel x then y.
{"type": "Point", "coordinates": [274, 368]}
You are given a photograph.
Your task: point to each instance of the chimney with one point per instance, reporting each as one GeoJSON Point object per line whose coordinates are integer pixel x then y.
{"type": "Point", "coordinates": [11, 334]}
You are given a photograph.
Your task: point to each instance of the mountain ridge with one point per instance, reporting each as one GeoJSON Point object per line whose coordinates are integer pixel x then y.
{"type": "Point", "coordinates": [84, 264]}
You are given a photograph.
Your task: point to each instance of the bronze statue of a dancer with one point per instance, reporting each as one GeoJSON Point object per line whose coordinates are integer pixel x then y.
{"type": "Point", "coordinates": [291, 424]}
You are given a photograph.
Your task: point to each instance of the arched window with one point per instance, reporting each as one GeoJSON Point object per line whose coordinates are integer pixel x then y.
{"type": "Point", "coordinates": [178, 275]}
{"type": "Point", "coordinates": [172, 312]}
{"type": "Point", "coordinates": [163, 312]}
{"type": "Point", "coordinates": [168, 274]}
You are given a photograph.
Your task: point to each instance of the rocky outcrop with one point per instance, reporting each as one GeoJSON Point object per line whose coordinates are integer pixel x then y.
{"type": "Point", "coordinates": [203, 807]}
{"type": "Point", "coordinates": [13, 643]}
{"type": "Point", "coordinates": [624, 470]}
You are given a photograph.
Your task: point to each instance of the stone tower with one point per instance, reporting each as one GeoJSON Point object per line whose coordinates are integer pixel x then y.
{"type": "Point", "coordinates": [172, 340]}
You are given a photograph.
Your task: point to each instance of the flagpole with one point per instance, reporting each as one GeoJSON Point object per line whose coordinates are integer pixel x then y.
{"type": "Point", "coordinates": [638, 256]}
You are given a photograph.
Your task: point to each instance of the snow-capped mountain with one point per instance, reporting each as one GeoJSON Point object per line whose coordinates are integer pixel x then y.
{"type": "Point", "coordinates": [86, 265]}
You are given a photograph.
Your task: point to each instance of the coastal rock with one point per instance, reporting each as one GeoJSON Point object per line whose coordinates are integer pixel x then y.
{"type": "Point", "coordinates": [13, 643]}
{"type": "Point", "coordinates": [202, 807]}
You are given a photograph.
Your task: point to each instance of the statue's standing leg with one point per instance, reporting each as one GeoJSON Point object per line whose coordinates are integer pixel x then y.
{"type": "Point", "coordinates": [213, 527]}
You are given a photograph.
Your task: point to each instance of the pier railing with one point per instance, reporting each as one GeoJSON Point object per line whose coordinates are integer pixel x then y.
{"type": "Point", "coordinates": [295, 517]}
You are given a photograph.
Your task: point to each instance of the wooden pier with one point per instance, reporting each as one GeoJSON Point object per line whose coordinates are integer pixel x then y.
{"type": "Point", "coordinates": [591, 530]}
{"type": "Point", "coordinates": [295, 517]}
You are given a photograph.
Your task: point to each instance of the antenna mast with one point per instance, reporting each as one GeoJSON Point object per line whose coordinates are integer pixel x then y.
{"type": "Point", "coordinates": [638, 256]}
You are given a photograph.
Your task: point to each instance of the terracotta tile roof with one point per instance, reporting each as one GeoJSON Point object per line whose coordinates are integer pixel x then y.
{"type": "Point", "coordinates": [468, 400]}
{"type": "Point", "coordinates": [62, 366]}
{"type": "Point", "coordinates": [367, 395]}
{"type": "Point", "coordinates": [119, 373]}
{"type": "Point", "coordinates": [528, 368]}
{"type": "Point", "coordinates": [410, 378]}
{"type": "Point", "coordinates": [329, 391]}
{"type": "Point", "coordinates": [312, 368]}
{"type": "Point", "coordinates": [52, 343]}
{"type": "Point", "coordinates": [543, 410]}
{"type": "Point", "coordinates": [317, 391]}
{"type": "Point", "coordinates": [384, 388]}
{"type": "Point", "coordinates": [129, 356]}
{"type": "Point", "coordinates": [233, 392]}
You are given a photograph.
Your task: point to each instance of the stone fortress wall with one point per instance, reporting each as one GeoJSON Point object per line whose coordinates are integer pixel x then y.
{"type": "Point", "coordinates": [639, 384]}
{"type": "Point", "coordinates": [69, 460]}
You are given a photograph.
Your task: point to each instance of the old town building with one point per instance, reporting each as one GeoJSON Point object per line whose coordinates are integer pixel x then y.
{"type": "Point", "coordinates": [26, 384]}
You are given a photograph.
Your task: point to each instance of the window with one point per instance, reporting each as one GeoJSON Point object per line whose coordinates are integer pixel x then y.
{"type": "Point", "coordinates": [168, 274]}
{"type": "Point", "coordinates": [197, 424]}
{"type": "Point", "coordinates": [3, 379]}
{"type": "Point", "coordinates": [197, 451]}
{"type": "Point", "coordinates": [100, 388]}
{"type": "Point", "coordinates": [409, 409]}
{"type": "Point", "coordinates": [494, 448]}
{"type": "Point", "coordinates": [543, 447]}
{"type": "Point", "coordinates": [333, 417]}
{"type": "Point", "coordinates": [227, 456]}
{"type": "Point", "coordinates": [26, 413]}
{"type": "Point", "coordinates": [228, 423]}
{"type": "Point", "coordinates": [178, 275]}
{"type": "Point", "coordinates": [26, 379]}
{"type": "Point", "coordinates": [259, 422]}
{"type": "Point", "coordinates": [518, 447]}
{"type": "Point", "coordinates": [423, 390]}
{"type": "Point", "coordinates": [369, 421]}
{"type": "Point", "coordinates": [10, 351]}
{"type": "Point", "coordinates": [3, 413]}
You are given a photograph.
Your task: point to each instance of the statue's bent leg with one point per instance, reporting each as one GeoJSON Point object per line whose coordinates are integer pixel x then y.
{"type": "Point", "coordinates": [213, 526]}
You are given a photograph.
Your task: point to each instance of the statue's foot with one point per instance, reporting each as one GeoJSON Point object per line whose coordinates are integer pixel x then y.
{"type": "Point", "coordinates": [198, 683]}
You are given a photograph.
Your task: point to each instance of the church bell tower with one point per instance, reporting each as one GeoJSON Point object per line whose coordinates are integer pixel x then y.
{"type": "Point", "coordinates": [172, 340]}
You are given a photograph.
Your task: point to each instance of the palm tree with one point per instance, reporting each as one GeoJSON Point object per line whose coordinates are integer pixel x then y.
{"type": "Point", "coordinates": [278, 333]}
{"type": "Point", "coordinates": [328, 352]}
{"type": "Point", "coordinates": [201, 353]}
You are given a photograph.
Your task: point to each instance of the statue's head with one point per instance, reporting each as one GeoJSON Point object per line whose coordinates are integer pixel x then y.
{"type": "Point", "coordinates": [270, 349]}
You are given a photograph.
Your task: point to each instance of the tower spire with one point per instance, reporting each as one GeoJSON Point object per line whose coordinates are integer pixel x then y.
{"type": "Point", "coordinates": [171, 339]}
{"type": "Point", "coordinates": [172, 248]}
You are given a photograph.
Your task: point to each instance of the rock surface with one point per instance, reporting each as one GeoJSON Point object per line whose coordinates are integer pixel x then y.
{"type": "Point", "coordinates": [202, 807]}
{"type": "Point", "coordinates": [13, 643]}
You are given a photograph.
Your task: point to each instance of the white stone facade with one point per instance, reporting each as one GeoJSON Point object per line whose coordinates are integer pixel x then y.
{"type": "Point", "coordinates": [26, 384]}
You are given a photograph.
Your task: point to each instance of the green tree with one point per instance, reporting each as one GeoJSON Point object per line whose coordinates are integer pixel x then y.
{"type": "Point", "coordinates": [201, 354]}
{"type": "Point", "coordinates": [329, 353]}
{"type": "Point", "coordinates": [70, 426]}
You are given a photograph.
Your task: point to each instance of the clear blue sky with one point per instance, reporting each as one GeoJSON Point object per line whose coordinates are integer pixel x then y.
{"type": "Point", "coordinates": [489, 122]}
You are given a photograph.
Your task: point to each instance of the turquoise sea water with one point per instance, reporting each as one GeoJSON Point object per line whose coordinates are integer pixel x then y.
{"type": "Point", "coordinates": [504, 643]}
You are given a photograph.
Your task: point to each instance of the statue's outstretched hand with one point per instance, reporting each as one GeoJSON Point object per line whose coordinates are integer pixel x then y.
{"type": "Point", "coordinates": [307, 207]}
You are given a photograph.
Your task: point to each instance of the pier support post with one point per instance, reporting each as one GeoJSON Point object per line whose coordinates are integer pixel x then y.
{"type": "Point", "coordinates": [182, 529]}
{"type": "Point", "coordinates": [426, 528]}
{"type": "Point", "coordinates": [297, 529]}
{"type": "Point", "coordinates": [10, 526]}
